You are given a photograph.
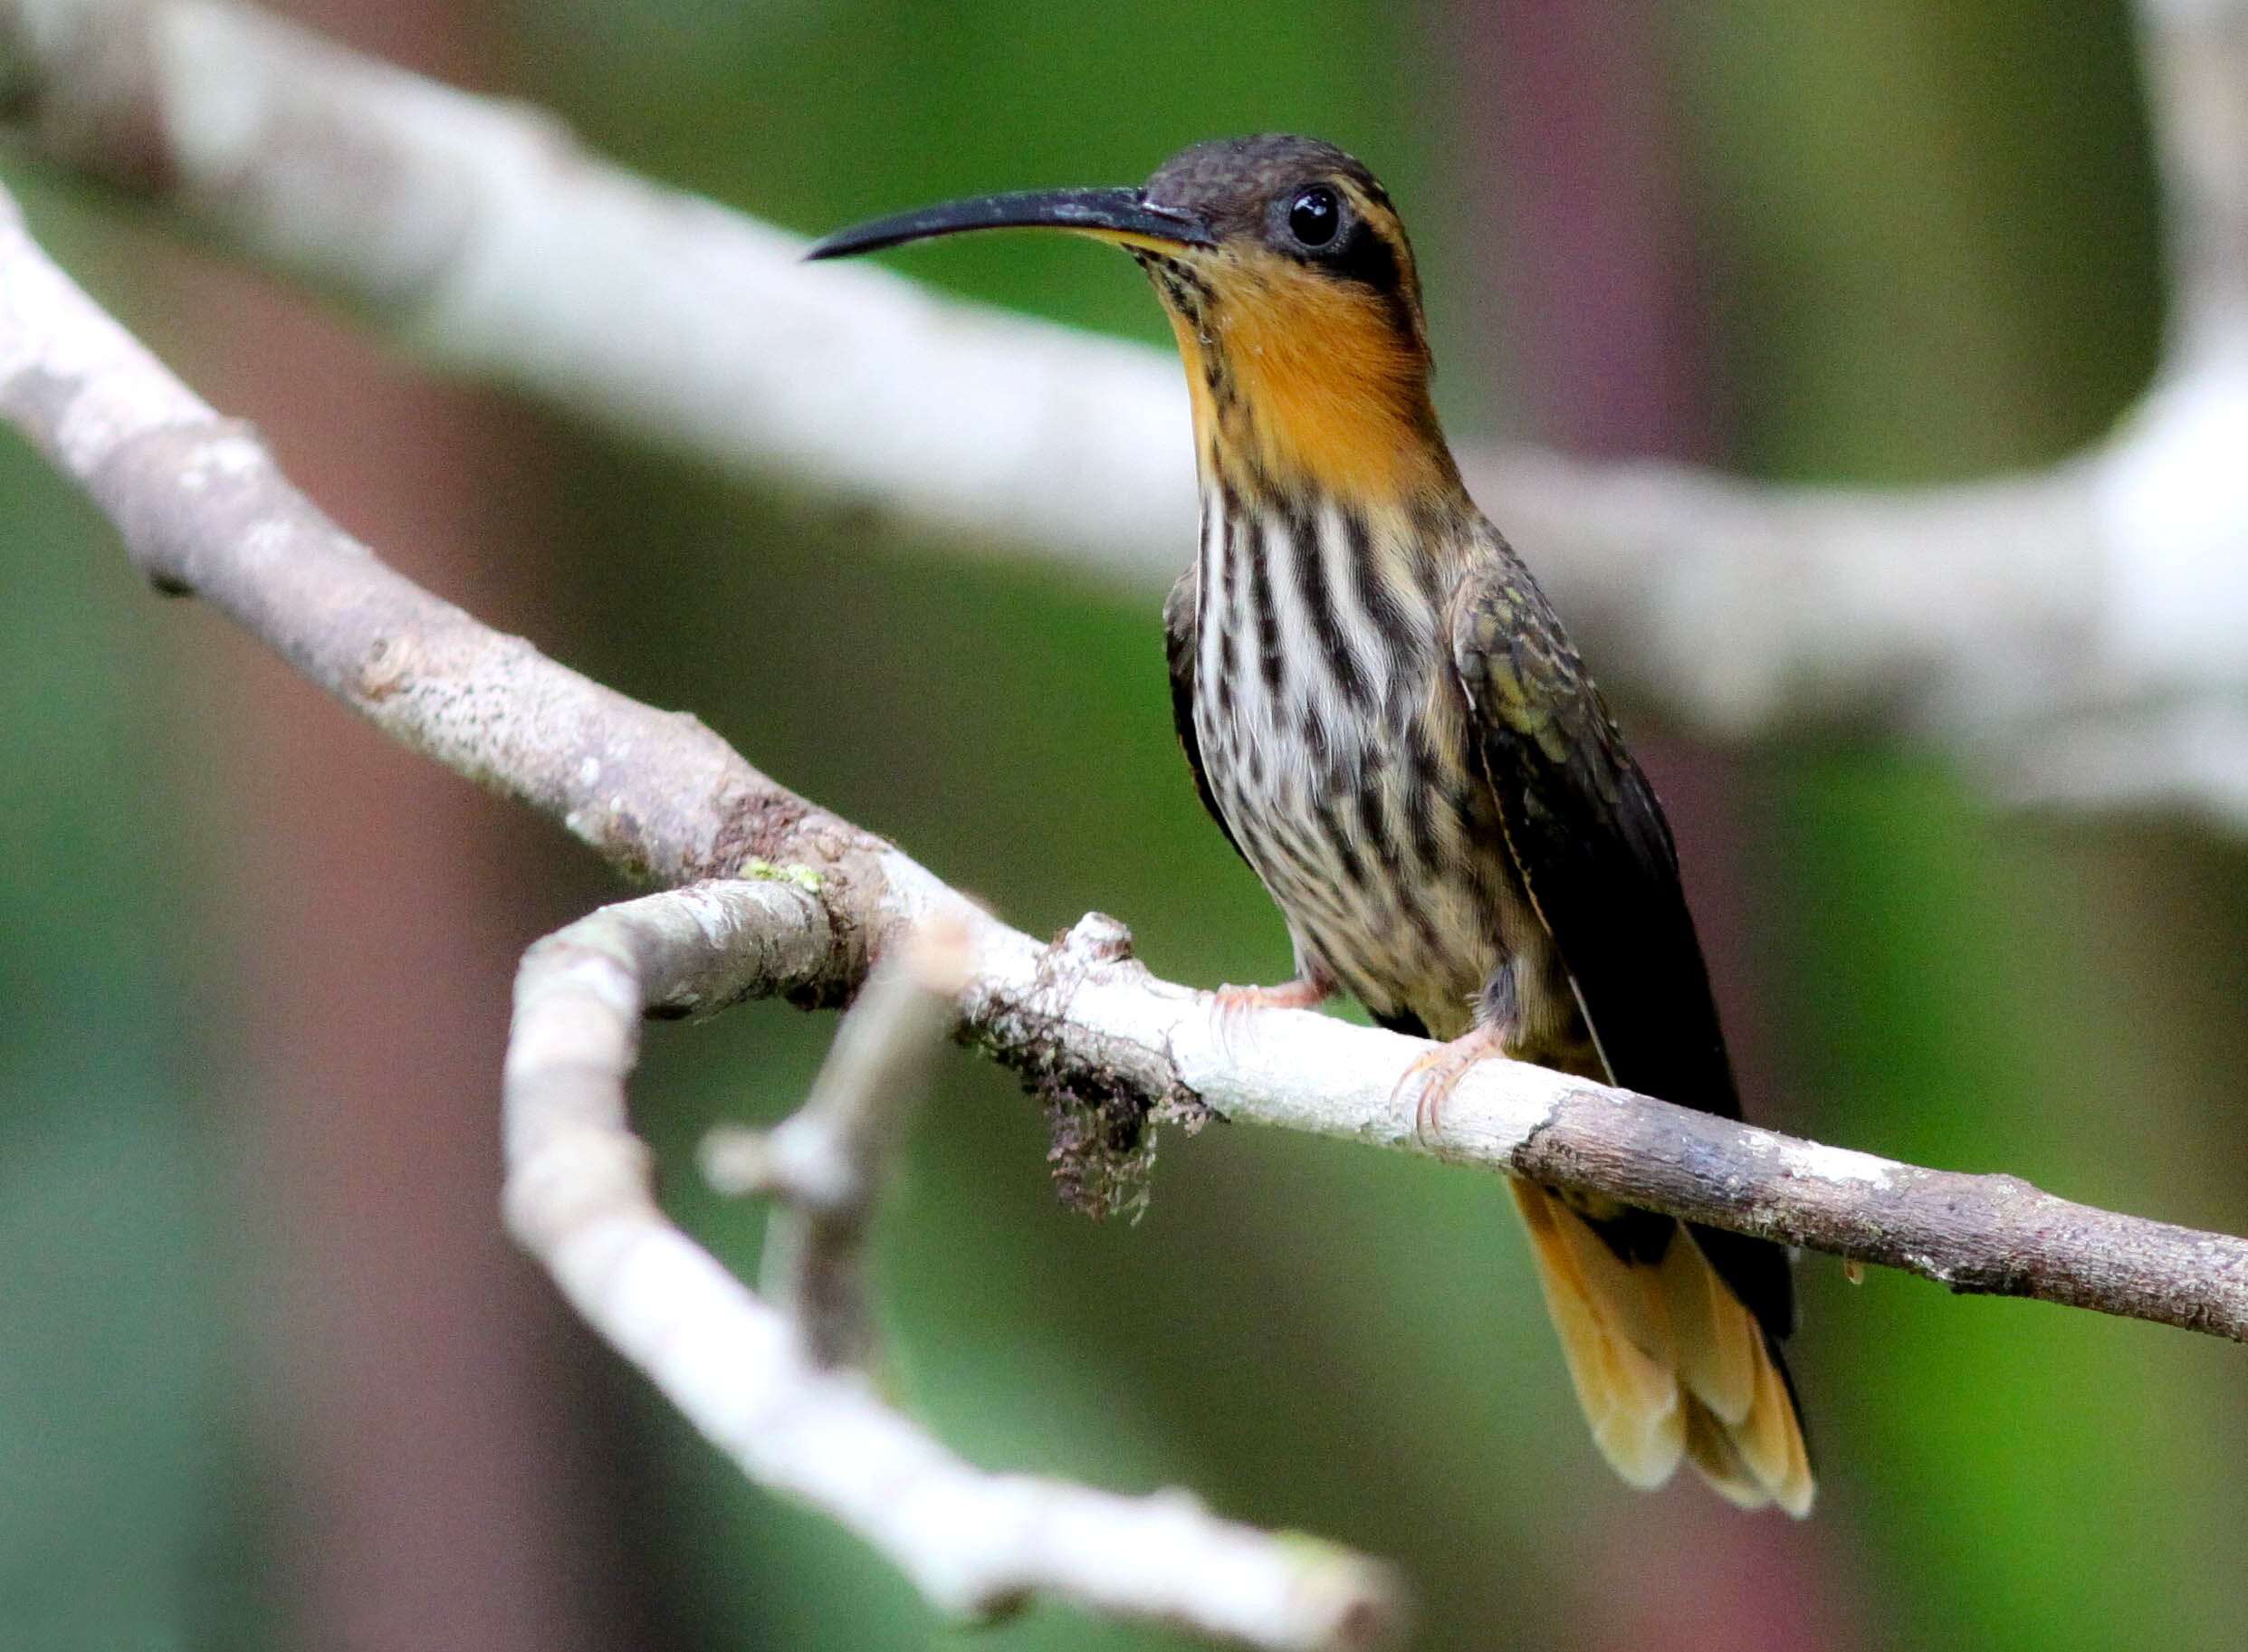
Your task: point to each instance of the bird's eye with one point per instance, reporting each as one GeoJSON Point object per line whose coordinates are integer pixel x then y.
{"type": "Point", "coordinates": [1315, 215]}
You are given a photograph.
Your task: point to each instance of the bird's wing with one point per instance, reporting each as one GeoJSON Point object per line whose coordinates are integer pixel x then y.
{"type": "Point", "coordinates": [1591, 848]}
{"type": "Point", "coordinates": [1181, 644]}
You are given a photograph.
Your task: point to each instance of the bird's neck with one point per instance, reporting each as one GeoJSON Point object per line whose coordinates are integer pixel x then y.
{"type": "Point", "coordinates": [1265, 419]}
{"type": "Point", "coordinates": [1307, 393]}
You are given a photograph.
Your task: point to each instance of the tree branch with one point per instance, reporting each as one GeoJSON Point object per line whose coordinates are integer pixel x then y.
{"type": "Point", "coordinates": [776, 1383]}
{"type": "Point", "coordinates": [203, 509]}
{"type": "Point", "coordinates": [2072, 636]}
{"type": "Point", "coordinates": [826, 1164]}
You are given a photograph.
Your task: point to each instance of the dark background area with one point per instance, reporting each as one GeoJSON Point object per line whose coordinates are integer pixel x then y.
{"type": "Point", "coordinates": [269, 1374]}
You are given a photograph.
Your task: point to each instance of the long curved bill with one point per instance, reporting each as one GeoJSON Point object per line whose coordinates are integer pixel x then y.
{"type": "Point", "coordinates": [1110, 215]}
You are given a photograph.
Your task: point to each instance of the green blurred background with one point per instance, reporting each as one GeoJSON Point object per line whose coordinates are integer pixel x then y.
{"type": "Point", "coordinates": [269, 1375]}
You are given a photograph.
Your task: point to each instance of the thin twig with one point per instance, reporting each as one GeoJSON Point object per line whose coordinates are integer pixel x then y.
{"type": "Point", "coordinates": [824, 1165]}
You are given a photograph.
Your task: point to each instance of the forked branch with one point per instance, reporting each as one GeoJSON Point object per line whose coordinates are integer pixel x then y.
{"type": "Point", "coordinates": [779, 1381]}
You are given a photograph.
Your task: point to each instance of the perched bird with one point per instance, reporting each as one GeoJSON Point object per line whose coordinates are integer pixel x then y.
{"type": "Point", "coordinates": [1381, 711]}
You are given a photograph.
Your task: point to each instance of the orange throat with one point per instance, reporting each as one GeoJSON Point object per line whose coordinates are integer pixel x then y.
{"type": "Point", "coordinates": [1311, 391]}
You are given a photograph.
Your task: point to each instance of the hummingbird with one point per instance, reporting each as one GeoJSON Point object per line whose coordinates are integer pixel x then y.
{"type": "Point", "coordinates": [1383, 712]}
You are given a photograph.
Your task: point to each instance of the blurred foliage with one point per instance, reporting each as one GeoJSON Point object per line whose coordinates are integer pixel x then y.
{"type": "Point", "coordinates": [1931, 254]}
{"type": "Point", "coordinates": [130, 1515]}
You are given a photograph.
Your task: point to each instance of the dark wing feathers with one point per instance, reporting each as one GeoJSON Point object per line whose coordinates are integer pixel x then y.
{"type": "Point", "coordinates": [1181, 644]}
{"type": "Point", "coordinates": [1591, 848]}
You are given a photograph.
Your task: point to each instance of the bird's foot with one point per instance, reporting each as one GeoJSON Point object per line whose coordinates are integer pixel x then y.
{"type": "Point", "coordinates": [1440, 1071]}
{"type": "Point", "coordinates": [1234, 1003]}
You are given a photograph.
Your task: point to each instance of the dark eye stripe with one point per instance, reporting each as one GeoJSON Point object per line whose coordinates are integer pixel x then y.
{"type": "Point", "coordinates": [1359, 251]}
{"type": "Point", "coordinates": [1366, 255]}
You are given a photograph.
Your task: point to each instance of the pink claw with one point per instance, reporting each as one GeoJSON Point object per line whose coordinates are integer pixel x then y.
{"type": "Point", "coordinates": [1444, 1067]}
{"type": "Point", "coordinates": [1233, 1003]}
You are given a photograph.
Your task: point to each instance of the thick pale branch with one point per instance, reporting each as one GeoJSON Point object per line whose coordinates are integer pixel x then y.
{"type": "Point", "coordinates": [1754, 609]}
{"type": "Point", "coordinates": [1084, 1006]}
{"type": "Point", "coordinates": [203, 510]}
{"type": "Point", "coordinates": [2073, 635]}
{"type": "Point", "coordinates": [474, 232]}
{"type": "Point", "coordinates": [2196, 54]}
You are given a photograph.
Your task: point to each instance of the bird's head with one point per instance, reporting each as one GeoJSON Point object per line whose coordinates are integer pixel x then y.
{"type": "Point", "coordinates": [1290, 284]}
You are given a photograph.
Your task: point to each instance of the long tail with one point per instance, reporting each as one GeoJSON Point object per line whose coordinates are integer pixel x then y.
{"type": "Point", "coordinates": [1668, 1364]}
